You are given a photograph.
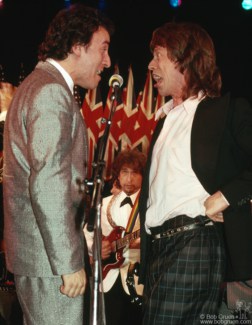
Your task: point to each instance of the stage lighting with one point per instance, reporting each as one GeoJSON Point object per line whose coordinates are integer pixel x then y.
{"type": "Point", "coordinates": [175, 3]}
{"type": "Point", "coordinates": [67, 3]}
{"type": "Point", "coordinates": [102, 5]}
{"type": "Point", "coordinates": [247, 4]}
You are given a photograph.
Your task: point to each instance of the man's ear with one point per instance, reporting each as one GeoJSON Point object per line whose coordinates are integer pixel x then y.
{"type": "Point", "coordinates": [76, 49]}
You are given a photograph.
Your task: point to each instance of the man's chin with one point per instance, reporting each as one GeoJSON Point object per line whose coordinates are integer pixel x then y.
{"type": "Point", "coordinates": [130, 191]}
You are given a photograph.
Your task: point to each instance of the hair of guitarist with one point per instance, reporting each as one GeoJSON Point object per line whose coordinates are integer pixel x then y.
{"type": "Point", "coordinates": [132, 158]}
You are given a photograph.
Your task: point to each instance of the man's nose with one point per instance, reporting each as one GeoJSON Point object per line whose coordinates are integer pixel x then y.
{"type": "Point", "coordinates": [107, 61]}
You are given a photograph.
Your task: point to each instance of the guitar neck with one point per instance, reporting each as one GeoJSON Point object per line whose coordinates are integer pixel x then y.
{"type": "Point", "coordinates": [124, 241]}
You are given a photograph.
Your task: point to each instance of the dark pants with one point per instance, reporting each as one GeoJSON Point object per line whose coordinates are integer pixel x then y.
{"type": "Point", "coordinates": [184, 276]}
{"type": "Point", "coordinates": [118, 307]}
{"type": "Point", "coordinates": [10, 310]}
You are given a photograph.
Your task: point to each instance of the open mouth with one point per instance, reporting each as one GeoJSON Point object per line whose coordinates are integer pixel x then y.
{"type": "Point", "coordinates": [156, 78]}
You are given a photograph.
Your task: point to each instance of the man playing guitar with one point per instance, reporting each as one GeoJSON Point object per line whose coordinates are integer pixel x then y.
{"type": "Point", "coordinates": [121, 242]}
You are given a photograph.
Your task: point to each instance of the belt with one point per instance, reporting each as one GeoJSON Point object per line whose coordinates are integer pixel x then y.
{"type": "Point", "coordinates": [174, 231]}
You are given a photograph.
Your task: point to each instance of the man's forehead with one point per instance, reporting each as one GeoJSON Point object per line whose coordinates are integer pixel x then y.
{"type": "Point", "coordinates": [159, 48]}
{"type": "Point", "coordinates": [128, 167]}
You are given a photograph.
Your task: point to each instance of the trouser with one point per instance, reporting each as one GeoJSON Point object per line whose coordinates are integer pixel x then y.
{"type": "Point", "coordinates": [43, 303]}
{"type": "Point", "coordinates": [184, 276]}
{"type": "Point", "coordinates": [119, 309]}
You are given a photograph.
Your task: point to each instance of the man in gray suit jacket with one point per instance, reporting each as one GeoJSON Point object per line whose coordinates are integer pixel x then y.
{"type": "Point", "coordinates": [45, 146]}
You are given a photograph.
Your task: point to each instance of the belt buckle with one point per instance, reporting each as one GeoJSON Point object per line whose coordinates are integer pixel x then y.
{"type": "Point", "coordinates": [171, 232]}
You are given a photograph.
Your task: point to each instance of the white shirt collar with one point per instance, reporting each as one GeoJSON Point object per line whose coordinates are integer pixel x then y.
{"type": "Point", "coordinates": [3, 116]}
{"type": "Point", "coordinates": [193, 102]}
{"type": "Point", "coordinates": [64, 73]}
{"type": "Point", "coordinates": [164, 110]}
{"type": "Point", "coordinates": [188, 103]}
{"type": "Point", "coordinates": [132, 196]}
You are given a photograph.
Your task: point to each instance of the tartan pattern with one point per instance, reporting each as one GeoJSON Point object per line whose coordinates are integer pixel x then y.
{"type": "Point", "coordinates": [183, 279]}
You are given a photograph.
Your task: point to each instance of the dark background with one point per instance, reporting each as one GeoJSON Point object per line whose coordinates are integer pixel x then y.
{"type": "Point", "coordinates": [23, 24]}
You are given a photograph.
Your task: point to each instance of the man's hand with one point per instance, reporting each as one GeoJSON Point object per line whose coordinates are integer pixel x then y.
{"type": "Point", "coordinates": [135, 243]}
{"type": "Point", "coordinates": [214, 205]}
{"type": "Point", "coordinates": [74, 284]}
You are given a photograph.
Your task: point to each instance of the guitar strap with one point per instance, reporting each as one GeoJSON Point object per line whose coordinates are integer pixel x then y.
{"type": "Point", "coordinates": [133, 215]}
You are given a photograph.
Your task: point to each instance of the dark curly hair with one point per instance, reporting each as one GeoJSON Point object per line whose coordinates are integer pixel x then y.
{"type": "Point", "coordinates": [134, 159]}
{"type": "Point", "coordinates": [192, 49]}
{"type": "Point", "coordinates": [73, 25]}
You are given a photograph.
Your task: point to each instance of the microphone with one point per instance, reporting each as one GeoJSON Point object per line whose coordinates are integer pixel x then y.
{"type": "Point", "coordinates": [116, 81]}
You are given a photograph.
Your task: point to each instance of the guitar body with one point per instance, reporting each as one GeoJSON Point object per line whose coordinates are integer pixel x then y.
{"type": "Point", "coordinates": [135, 289]}
{"type": "Point", "coordinates": [116, 258]}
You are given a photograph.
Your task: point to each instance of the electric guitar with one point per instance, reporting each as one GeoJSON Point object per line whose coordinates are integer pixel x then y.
{"type": "Point", "coordinates": [118, 243]}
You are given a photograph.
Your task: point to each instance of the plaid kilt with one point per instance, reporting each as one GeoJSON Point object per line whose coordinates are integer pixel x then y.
{"type": "Point", "coordinates": [184, 276]}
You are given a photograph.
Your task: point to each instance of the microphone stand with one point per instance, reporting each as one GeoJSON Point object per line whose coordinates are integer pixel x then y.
{"type": "Point", "coordinates": [97, 310]}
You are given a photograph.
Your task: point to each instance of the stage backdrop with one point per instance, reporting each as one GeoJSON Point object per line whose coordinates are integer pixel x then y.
{"type": "Point", "coordinates": [132, 123]}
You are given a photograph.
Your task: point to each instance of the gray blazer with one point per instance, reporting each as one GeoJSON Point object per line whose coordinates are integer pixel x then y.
{"type": "Point", "coordinates": [45, 148]}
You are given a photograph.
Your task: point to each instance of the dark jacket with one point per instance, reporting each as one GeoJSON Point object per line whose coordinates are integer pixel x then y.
{"type": "Point", "coordinates": [221, 156]}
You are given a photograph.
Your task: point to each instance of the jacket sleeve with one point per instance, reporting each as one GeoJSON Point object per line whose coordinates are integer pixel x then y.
{"type": "Point", "coordinates": [238, 191]}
